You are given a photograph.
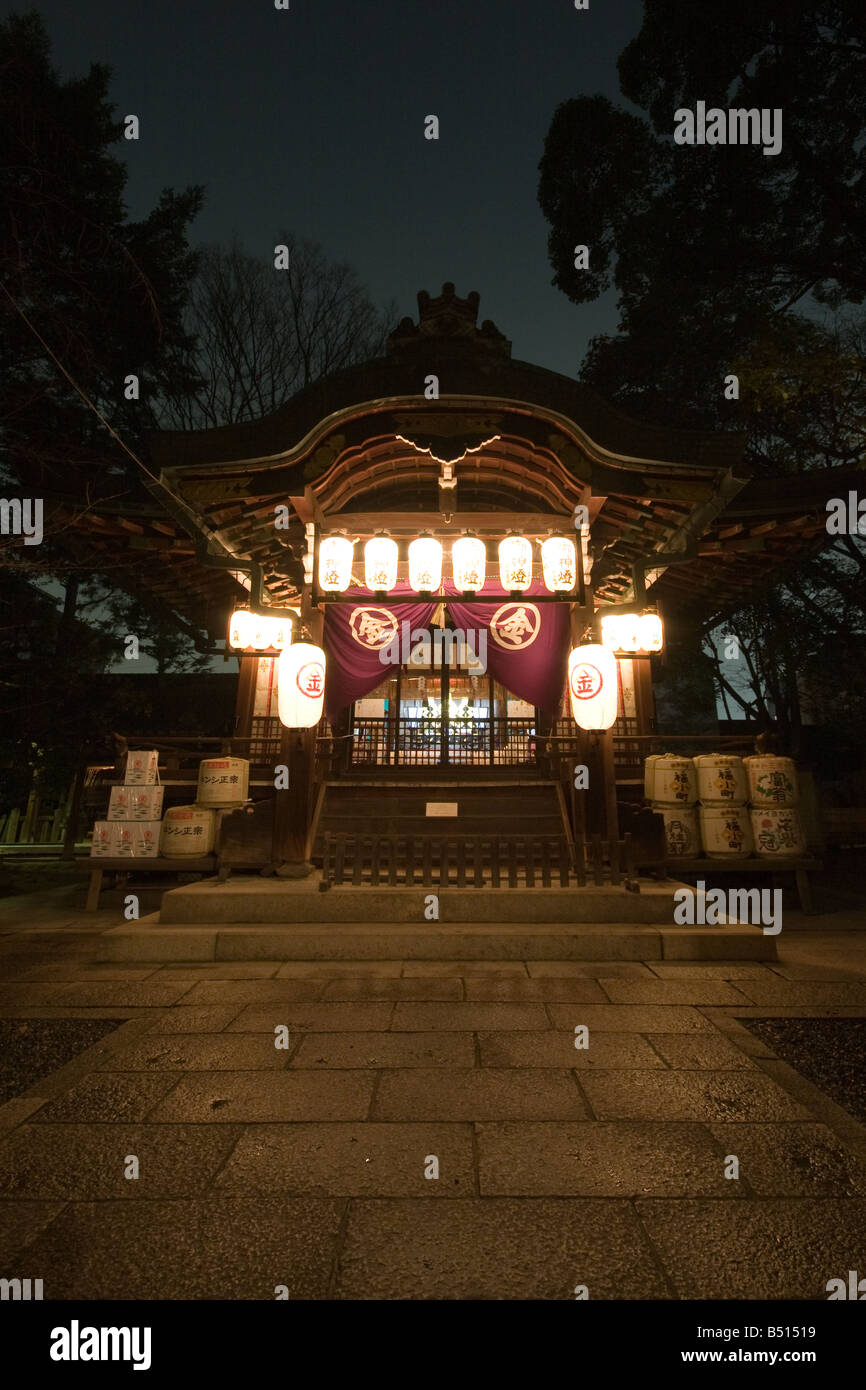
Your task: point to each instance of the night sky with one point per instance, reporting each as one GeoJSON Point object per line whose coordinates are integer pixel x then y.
{"type": "Point", "coordinates": [311, 120]}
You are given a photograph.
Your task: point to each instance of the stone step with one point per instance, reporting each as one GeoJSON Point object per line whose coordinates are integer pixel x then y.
{"type": "Point", "coordinates": [150, 940]}
{"type": "Point", "coordinates": [246, 900]}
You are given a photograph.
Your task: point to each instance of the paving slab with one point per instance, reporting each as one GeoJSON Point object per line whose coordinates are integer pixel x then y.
{"type": "Point", "coordinates": [788, 971]}
{"type": "Point", "coordinates": [670, 992]}
{"type": "Point", "coordinates": [575, 988]}
{"type": "Point", "coordinates": [555, 1048]}
{"type": "Point", "coordinates": [337, 969]}
{"type": "Point", "coordinates": [20, 1223]}
{"type": "Point", "coordinates": [221, 1248]}
{"type": "Point", "coordinates": [107, 1098]}
{"type": "Point", "coordinates": [757, 1249]}
{"type": "Point", "coordinates": [793, 1160]}
{"type": "Point", "coordinates": [620, 969]}
{"type": "Point", "coordinates": [700, 1051]}
{"type": "Point", "coordinates": [460, 1018]}
{"type": "Point", "coordinates": [87, 1162]}
{"type": "Point", "coordinates": [418, 987]}
{"type": "Point", "coordinates": [80, 971]}
{"type": "Point", "coordinates": [352, 1160]}
{"type": "Point", "coordinates": [381, 1050]}
{"type": "Point", "coordinates": [801, 992]}
{"type": "Point", "coordinates": [314, 1018]}
{"type": "Point", "coordinates": [201, 1019]}
{"type": "Point", "coordinates": [688, 1095]}
{"type": "Point", "coordinates": [465, 968]}
{"type": "Point", "coordinates": [480, 1093]}
{"type": "Point", "coordinates": [497, 1248]}
{"type": "Point", "coordinates": [181, 1052]}
{"type": "Point", "coordinates": [113, 993]}
{"type": "Point", "coordinates": [619, 1159]}
{"type": "Point", "coordinates": [709, 970]}
{"type": "Point", "coordinates": [629, 1018]}
{"type": "Point", "coordinates": [215, 970]}
{"type": "Point", "coordinates": [254, 991]}
{"type": "Point", "coordinates": [246, 1097]}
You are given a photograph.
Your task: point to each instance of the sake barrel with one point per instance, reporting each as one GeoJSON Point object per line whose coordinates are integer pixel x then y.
{"type": "Point", "coordinates": [223, 781]}
{"type": "Point", "coordinates": [682, 837]}
{"type": "Point", "coordinates": [670, 779]}
{"type": "Point", "coordinates": [186, 830]}
{"type": "Point", "coordinates": [778, 832]}
{"type": "Point", "coordinates": [772, 781]}
{"type": "Point", "coordinates": [726, 832]}
{"type": "Point", "coordinates": [721, 780]}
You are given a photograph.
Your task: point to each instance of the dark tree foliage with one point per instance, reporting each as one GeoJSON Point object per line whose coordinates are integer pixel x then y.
{"type": "Point", "coordinates": [730, 261]}
{"type": "Point", "coordinates": [104, 296]}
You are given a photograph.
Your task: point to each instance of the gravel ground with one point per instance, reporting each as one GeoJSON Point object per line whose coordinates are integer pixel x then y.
{"type": "Point", "coordinates": [31, 1048]}
{"type": "Point", "coordinates": [829, 1052]}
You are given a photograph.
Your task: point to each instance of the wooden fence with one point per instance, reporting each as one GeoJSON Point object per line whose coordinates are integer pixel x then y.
{"type": "Point", "coordinates": [475, 861]}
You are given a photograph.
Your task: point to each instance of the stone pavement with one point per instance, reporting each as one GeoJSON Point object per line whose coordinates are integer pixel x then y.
{"type": "Point", "coordinates": [307, 1167]}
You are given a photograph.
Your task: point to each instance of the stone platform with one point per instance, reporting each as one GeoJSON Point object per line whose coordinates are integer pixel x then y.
{"type": "Point", "coordinates": [256, 918]}
{"type": "Point", "coordinates": [244, 900]}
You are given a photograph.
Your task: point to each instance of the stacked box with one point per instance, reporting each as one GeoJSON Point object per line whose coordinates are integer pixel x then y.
{"type": "Point", "coordinates": [104, 842]}
{"type": "Point", "coordinates": [137, 803]}
{"type": "Point", "coordinates": [132, 828]}
{"type": "Point", "coordinates": [142, 767]}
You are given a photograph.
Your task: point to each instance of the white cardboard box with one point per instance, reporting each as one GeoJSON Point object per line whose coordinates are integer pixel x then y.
{"type": "Point", "coordinates": [142, 767]}
{"type": "Point", "coordinates": [136, 803]}
{"type": "Point", "coordinates": [104, 842]}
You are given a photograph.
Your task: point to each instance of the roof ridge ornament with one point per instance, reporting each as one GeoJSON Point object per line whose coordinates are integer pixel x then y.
{"type": "Point", "coordinates": [448, 316]}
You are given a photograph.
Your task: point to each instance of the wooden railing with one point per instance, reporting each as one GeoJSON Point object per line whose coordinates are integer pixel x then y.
{"type": "Point", "coordinates": [474, 861]}
{"type": "Point", "coordinates": [489, 742]}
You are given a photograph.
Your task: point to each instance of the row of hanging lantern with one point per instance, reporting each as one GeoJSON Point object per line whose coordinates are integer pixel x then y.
{"type": "Point", "coordinates": [468, 564]}
{"type": "Point", "coordinates": [632, 632]}
{"type": "Point", "coordinates": [258, 632]}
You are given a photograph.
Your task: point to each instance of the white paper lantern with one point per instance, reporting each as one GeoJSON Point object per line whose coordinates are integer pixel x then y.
{"type": "Point", "coordinates": [335, 564]}
{"type": "Point", "coordinates": [301, 685]}
{"type": "Point", "coordinates": [632, 632]}
{"type": "Point", "coordinates": [559, 564]}
{"type": "Point", "coordinates": [259, 632]}
{"type": "Point", "coordinates": [592, 686]}
{"type": "Point", "coordinates": [469, 564]}
{"type": "Point", "coordinates": [240, 629]}
{"type": "Point", "coordinates": [425, 564]}
{"type": "Point", "coordinates": [620, 632]}
{"type": "Point", "coordinates": [515, 563]}
{"type": "Point", "coordinates": [652, 637]}
{"type": "Point", "coordinates": [380, 564]}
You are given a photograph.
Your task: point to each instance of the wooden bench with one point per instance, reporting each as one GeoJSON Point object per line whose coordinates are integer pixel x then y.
{"type": "Point", "coordinates": [798, 867]}
{"type": "Point", "coordinates": [123, 867]}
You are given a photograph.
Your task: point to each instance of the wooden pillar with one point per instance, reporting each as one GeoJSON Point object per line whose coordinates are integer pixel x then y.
{"type": "Point", "coordinates": [294, 804]}
{"type": "Point", "coordinates": [643, 693]}
{"type": "Point", "coordinates": [609, 775]}
{"type": "Point", "coordinates": [246, 700]}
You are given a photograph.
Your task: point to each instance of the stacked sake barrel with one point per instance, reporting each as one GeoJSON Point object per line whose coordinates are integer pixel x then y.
{"type": "Point", "coordinates": [723, 817]}
{"type": "Point", "coordinates": [223, 785]}
{"type": "Point", "coordinates": [774, 796]}
{"type": "Point", "coordinates": [670, 786]}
